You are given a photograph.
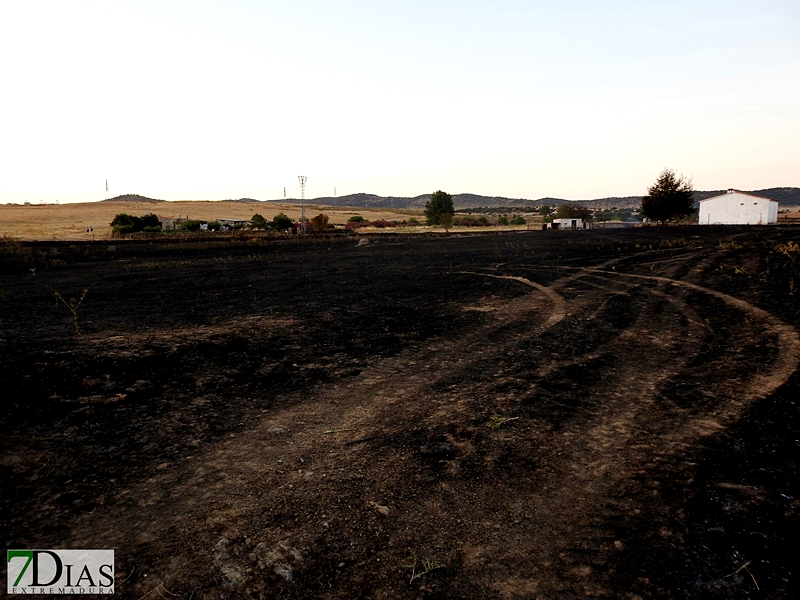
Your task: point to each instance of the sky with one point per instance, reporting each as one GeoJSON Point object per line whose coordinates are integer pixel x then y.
{"type": "Point", "coordinates": [210, 100]}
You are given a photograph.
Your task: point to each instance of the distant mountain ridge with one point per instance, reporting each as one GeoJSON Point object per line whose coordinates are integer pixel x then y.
{"type": "Point", "coordinates": [788, 196]}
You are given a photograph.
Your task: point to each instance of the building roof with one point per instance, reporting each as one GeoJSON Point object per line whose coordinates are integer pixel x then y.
{"type": "Point", "coordinates": [733, 191]}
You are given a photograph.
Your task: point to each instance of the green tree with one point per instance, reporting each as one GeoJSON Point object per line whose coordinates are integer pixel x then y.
{"type": "Point", "coordinates": [281, 221]}
{"type": "Point", "coordinates": [571, 211]}
{"type": "Point", "coordinates": [258, 221]}
{"type": "Point", "coordinates": [670, 198]}
{"type": "Point", "coordinates": [123, 223]}
{"type": "Point", "coordinates": [439, 204]}
{"type": "Point", "coordinates": [545, 210]}
{"type": "Point", "coordinates": [151, 222]}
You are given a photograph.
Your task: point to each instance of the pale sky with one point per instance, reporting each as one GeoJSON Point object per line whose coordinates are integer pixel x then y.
{"type": "Point", "coordinates": [573, 99]}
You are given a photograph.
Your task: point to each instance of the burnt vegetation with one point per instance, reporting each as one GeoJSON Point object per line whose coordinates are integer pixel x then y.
{"type": "Point", "coordinates": [310, 417]}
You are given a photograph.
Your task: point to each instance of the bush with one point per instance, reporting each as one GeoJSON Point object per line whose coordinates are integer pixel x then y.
{"type": "Point", "coordinates": [470, 221]}
{"type": "Point", "coordinates": [518, 221]}
{"type": "Point", "coordinates": [319, 223]}
{"type": "Point", "coordinates": [356, 219]}
{"type": "Point", "coordinates": [190, 225]}
{"type": "Point", "coordinates": [281, 221]}
{"type": "Point", "coordinates": [502, 221]}
{"type": "Point", "coordinates": [125, 223]}
{"type": "Point", "coordinates": [150, 220]}
{"type": "Point", "coordinates": [258, 222]}
{"type": "Point", "coordinates": [355, 225]}
{"type": "Point", "coordinates": [382, 223]}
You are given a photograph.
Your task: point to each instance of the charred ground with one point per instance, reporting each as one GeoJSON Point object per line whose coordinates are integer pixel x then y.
{"type": "Point", "coordinates": [296, 418]}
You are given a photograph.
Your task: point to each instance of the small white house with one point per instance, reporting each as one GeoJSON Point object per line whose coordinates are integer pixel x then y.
{"type": "Point", "coordinates": [738, 208]}
{"type": "Point", "coordinates": [567, 224]}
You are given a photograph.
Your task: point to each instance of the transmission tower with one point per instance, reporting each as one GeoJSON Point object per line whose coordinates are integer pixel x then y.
{"type": "Point", "coordinates": [302, 179]}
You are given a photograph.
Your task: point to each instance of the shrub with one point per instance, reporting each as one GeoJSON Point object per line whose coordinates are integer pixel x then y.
{"type": "Point", "coordinates": [150, 220]}
{"type": "Point", "coordinates": [258, 222]}
{"type": "Point", "coordinates": [125, 223]}
{"type": "Point", "coordinates": [122, 223]}
{"type": "Point", "coordinates": [319, 223]}
{"type": "Point", "coordinates": [356, 219]}
{"type": "Point", "coordinates": [190, 225]}
{"type": "Point", "coordinates": [281, 221]}
{"type": "Point", "coordinates": [382, 223]}
{"type": "Point", "coordinates": [470, 221]}
{"type": "Point", "coordinates": [502, 221]}
{"type": "Point", "coordinates": [355, 225]}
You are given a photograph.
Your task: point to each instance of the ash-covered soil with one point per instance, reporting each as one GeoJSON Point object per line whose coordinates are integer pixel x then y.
{"type": "Point", "coordinates": [527, 415]}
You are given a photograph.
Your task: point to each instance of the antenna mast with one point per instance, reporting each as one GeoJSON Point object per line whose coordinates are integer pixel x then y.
{"type": "Point", "coordinates": [106, 189]}
{"type": "Point", "coordinates": [302, 179]}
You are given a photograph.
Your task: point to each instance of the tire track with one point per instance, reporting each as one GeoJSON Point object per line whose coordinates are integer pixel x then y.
{"type": "Point", "coordinates": [788, 360]}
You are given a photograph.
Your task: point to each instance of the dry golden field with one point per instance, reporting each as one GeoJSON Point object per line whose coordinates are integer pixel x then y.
{"type": "Point", "coordinates": [70, 221]}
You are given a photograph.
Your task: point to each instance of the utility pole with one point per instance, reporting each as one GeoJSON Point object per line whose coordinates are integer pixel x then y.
{"type": "Point", "coordinates": [302, 179]}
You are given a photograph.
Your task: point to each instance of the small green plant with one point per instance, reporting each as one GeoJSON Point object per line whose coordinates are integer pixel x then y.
{"type": "Point", "coordinates": [72, 304]}
{"type": "Point", "coordinates": [417, 569]}
{"type": "Point", "coordinates": [496, 421]}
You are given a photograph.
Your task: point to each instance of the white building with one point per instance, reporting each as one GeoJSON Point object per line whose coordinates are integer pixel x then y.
{"type": "Point", "coordinates": [567, 224]}
{"type": "Point", "coordinates": [738, 208]}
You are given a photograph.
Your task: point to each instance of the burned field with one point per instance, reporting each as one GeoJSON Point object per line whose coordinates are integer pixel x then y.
{"type": "Point", "coordinates": [527, 415]}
